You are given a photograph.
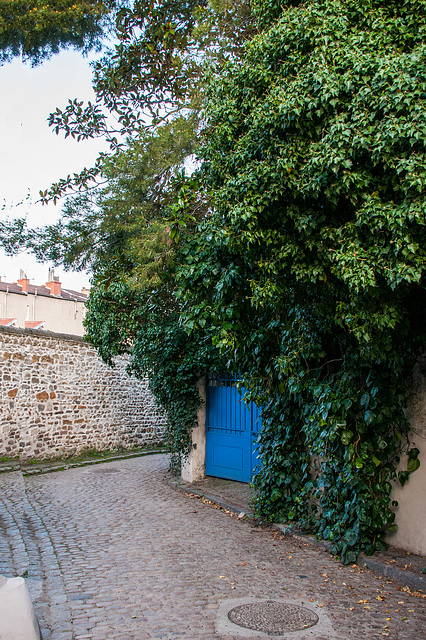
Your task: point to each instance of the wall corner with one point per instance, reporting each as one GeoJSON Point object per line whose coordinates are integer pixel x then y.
{"type": "Point", "coordinates": [194, 468]}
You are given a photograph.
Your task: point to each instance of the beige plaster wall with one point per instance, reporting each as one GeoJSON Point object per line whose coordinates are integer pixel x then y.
{"type": "Point", "coordinates": [195, 466]}
{"type": "Point", "coordinates": [60, 316]}
{"type": "Point", "coordinates": [411, 511]}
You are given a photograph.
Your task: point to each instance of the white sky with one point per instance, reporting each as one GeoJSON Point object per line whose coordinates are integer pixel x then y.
{"type": "Point", "coordinates": [32, 156]}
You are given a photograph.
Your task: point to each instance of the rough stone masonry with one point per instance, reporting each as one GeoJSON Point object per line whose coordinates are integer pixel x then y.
{"type": "Point", "coordinates": [58, 399]}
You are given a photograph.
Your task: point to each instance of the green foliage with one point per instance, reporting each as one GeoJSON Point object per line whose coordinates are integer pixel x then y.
{"type": "Point", "coordinates": [311, 266]}
{"type": "Point", "coordinates": [128, 215]}
{"type": "Point", "coordinates": [150, 75]}
{"type": "Point", "coordinates": [123, 232]}
{"type": "Point", "coordinates": [297, 250]}
{"type": "Point", "coordinates": [154, 74]}
{"type": "Point", "coordinates": [176, 360]}
{"type": "Point", "coordinates": [35, 30]}
{"type": "Point", "coordinates": [144, 324]}
{"type": "Point", "coordinates": [124, 213]}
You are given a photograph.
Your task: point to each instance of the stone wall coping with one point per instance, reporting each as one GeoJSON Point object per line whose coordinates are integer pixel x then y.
{"type": "Point", "coordinates": [41, 333]}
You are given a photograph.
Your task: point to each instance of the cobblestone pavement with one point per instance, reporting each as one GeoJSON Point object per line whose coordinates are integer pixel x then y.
{"type": "Point", "coordinates": [114, 553]}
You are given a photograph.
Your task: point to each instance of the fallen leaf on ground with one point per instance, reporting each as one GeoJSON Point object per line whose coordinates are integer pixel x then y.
{"type": "Point", "coordinates": [416, 594]}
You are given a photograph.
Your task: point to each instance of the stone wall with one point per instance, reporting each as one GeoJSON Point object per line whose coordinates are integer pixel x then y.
{"type": "Point", "coordinates": [58, 398]}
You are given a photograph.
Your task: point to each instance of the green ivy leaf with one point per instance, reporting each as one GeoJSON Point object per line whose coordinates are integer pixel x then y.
{"type": "Point", "coordinates": [413, 464]}
{"type": "Point", "coordinates": [346, 437]}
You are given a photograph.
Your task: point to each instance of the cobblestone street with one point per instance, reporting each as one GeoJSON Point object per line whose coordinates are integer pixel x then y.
{"type": "Point", "coordinates": [113, 552]}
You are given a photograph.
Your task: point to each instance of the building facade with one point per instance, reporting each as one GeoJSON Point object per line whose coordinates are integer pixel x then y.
{"type": "Point", "coordinates": [49, 307]}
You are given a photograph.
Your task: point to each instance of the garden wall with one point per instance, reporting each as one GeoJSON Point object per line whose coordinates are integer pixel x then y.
{"type": "Point", "coordinates": [58, 398]}
{"type": "Point", "coordinates": [411, 510]}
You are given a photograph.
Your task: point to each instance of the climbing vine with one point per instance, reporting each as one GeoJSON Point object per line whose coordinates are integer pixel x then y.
{"type": "Point", "coordinates": [145, 324]}
{"type": "Point", "coordinates": [312, 263]}
{"type": "Point", "coordinates": [330, 451]}
{"type": "Point", "coordinates": [176, 361]}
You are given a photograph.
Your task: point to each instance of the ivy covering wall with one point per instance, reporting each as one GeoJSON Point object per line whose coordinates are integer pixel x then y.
{"type": "Point", "coordinates": [312, 263]}
{"type": "Point", "coordinates": [295, 251]}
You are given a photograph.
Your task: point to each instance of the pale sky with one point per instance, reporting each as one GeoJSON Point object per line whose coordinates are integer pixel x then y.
{"type": "Point", "coordinates": [32, 155]}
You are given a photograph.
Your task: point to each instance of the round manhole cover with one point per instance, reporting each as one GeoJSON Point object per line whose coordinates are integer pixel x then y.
{"type": "Point", "coordinates": [273, 618]}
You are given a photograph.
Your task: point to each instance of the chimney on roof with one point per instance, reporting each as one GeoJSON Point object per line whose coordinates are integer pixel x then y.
{"type": "Point", "coordinates": [53, 283]}
{"type": "Point", "coordinates": [23, 281]}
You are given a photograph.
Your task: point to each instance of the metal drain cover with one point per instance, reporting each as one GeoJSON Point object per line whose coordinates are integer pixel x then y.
{"type": "Point", "coordinates": [273, 618]}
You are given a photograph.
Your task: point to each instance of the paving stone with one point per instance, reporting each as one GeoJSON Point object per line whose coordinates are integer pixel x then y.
{"type": "Point", "coordinates": [123, 556]}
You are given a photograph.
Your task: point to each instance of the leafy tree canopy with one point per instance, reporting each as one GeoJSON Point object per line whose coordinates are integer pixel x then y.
{"type": "Point", "coordinates": [37, 29]}
{"type": "Point", "coordinates": [119, 218]}
{"type": "Point", "coordinates": [151, 70]}
{"type": "Point", "coordinates": [134, 188]}
{"type": "Point", "coordinates": [130, 231]}
{"type": "Point", "coordinates": [311, 265]}
{"type": "Point", "coordinates": [127, 232]}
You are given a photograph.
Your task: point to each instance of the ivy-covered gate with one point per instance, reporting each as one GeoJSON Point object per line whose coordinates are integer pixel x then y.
{"type": "Point", "coordinates": [231, 430]}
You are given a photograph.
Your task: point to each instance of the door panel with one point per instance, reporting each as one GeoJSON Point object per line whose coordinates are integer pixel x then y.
{"type": "Point", "coordinates": [230, 430]}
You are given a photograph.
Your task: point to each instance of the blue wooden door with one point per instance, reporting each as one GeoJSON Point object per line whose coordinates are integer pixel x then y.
{"type": "Point", "coordinates": [231, 430]}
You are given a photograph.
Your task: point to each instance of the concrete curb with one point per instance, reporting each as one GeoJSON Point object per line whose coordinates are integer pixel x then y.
{"type": "Point", "coordinates": [17, 618]}
{"type": "Point", "coordinates": [407, 580]}
{"type": "Point", "coordinates": [384, 570]}
{"type": "Point", "coordinates": [63, 466]}
{"type": "Point", "coordinates": [183, 488]}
